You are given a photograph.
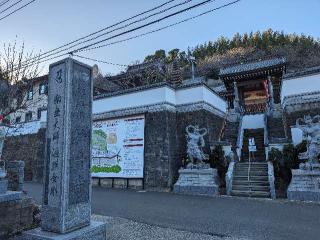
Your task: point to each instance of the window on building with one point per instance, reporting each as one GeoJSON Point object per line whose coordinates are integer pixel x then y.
{"type": "Point", "coordinates": [30, 93]}
{"type": "Point", "coordinates": [28, 117]}
{"type": "Point", "coordinates": [18, 119]}
{"type": "Point", "coordinates": [39, 113]}
{"type": "Point", "coordinates": [43, 88]}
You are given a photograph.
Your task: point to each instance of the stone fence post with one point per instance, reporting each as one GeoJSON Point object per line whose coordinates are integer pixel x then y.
{"type": "Point", "coordinates": [15, 175]}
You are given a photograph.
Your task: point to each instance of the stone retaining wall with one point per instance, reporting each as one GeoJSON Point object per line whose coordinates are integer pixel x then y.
{"type": "Point", "coordinates": [165, 146]}
{"type": "Point", "coordinates": [292, 114]}
{"type": "Point", "coordinates": [16, 216]}
{"type": "Point", "coordinates": [30, 149]}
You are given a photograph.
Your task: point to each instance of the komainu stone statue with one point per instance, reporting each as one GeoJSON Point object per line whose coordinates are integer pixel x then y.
{"type": "Point", "coordinates": [197, 178]}
{"type": "Point", "coordinates": [195, 144]}
{"type": "Point", "coordinates": [310, 127]}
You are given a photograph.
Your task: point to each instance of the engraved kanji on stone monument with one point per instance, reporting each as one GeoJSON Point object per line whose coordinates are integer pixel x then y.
{"type": "Point", "coordinates": [66, 204]}
{"type": "Point", "coordinates": [66, 209]}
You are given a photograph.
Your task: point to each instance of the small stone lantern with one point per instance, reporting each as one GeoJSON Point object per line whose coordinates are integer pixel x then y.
{"type": "Point", "coordinates": [3, 182]}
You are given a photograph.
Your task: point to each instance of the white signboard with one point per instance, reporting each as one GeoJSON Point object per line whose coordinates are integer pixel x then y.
{"type": "Point", "coordinates": [252, 148]}
{"type": "Point", "coordinates": [252, 145]}
{"type": "Point", "coordinates": [118, 148]}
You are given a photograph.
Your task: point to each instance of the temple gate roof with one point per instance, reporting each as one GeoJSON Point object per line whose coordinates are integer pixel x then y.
{"type": "Point", "coordinates": [253, 69]}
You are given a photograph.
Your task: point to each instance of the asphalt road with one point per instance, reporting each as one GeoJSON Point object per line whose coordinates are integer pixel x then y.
{"type": "Point", "coordinates": [218, 216]}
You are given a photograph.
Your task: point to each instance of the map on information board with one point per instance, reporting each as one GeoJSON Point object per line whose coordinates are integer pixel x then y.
{"type": "Point", "coordinates": [118, 148]}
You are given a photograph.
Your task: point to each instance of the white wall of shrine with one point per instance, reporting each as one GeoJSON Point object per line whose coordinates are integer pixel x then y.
{"type": "Point", "coordinates": [146, 97]}
{"type": "Point", "coordinates": [300, 85]}
{"type": "Point", "coordinates": [160, 95]}
{"type": "Point", "coordinates": [253, 121]}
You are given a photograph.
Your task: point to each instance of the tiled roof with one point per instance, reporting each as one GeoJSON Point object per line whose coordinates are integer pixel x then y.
{"type": "Point", "coordinates": [247, 67]}
{"type": "Point", "coordinates": [304, 72]}
{"type": "Point", "coordinates": [42, 78]}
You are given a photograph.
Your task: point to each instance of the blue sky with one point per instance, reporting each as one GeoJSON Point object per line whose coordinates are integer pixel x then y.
{"type": "Point", "coordinates": [47, 24]}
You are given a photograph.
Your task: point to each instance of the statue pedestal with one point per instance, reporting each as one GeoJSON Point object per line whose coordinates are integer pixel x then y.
{"type": "Point", "coordinates": [197, 182]}
{"type": "Point", "coordinates": [305, 184]}
{"type": "Point", "coordinates": [6, 196]}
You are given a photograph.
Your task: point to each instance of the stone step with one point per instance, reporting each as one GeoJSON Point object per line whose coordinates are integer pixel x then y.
{"type": "Point", "coordinates": [246, 182]}
{"type": "Point", "coordinates": [251, 188]}
{"type": "Point", "coordinates": [252, 172]}
{"type": "Point", "coordinates": [253, 164]}
{"type": "Point", "coordinates": [256, 194]}
{"type": "Point", "coordinates": [251, 178]}
{"type": "Point", "coordinates": [253, 167]}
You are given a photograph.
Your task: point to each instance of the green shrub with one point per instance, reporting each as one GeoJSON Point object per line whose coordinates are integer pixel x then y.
{"type": "Point", "coordinates": [284, 161]}
{"type": "Point", "coordinates": [290, 156]}
{"type": "Point", "coordinates": [217, 160]}
{"type": "Point", "coordinates": [276, 157]}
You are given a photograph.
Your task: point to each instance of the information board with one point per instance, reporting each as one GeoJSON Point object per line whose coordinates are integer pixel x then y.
{"type": "Point", "coordinates": [118, 148]}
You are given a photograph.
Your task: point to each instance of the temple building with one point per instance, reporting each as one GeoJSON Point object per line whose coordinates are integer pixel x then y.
{"type": "Point", "coordinates": [139, 133]}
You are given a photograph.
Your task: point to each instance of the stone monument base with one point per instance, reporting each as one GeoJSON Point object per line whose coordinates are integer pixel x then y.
{"type": "Point", "coordinates": [10, 196]}
{"type": "Point", "coordinates": [197, 182]}
{"type": "Point", "coordinates": [305, 183]}
{"type": "Point", "coordinates": [96, 231]}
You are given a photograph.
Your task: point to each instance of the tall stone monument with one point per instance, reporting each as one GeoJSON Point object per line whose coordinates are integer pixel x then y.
{"type": "Point", "coordinates": [66, 210]}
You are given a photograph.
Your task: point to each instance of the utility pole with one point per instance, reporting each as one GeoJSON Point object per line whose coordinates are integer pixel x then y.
{"type": "Point", "coordinates": [192, 59]}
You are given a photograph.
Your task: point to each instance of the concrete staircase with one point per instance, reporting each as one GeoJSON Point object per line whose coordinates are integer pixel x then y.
{"type": "Point", "coordinates": [255, 185]}
{"type": "Point", "coordinates": [258, 135]}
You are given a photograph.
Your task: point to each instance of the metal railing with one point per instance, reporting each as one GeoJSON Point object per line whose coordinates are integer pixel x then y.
{"type": "Point", "coordinates": [240, 138]}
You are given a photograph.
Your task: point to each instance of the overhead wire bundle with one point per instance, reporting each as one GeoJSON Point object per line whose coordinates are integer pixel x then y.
{"type": "Point", "coordinates": [13, 8]}
{"type": "Point", "coordinates": [87, 43]}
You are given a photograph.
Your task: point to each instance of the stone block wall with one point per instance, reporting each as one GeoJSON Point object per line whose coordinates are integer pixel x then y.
{"type": "Point", "coordinates": [30, 149]}
{"type": "Point", "coordinates": [136, 184]}
{"type": "Point", "coordinates": [293, 112]}
{"type": "Point", "coordinates": [202, 118]}
{"type": "Point", "coordinates": [165, 146]}
{"type": "Point", "coordinates": [160, 149]}
{"type": "Point", "coordinates": [16, 216]}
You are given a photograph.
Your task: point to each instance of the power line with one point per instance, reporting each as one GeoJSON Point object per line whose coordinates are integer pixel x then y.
{"type": "Point", "coordinates": [4, 2]}
{"type": "Point", "coordinates": [103, 29]}
{"type": "Point", "coordinates": [144, 34]}
{"type": "Point", "coordinates": [11, 6]}
{"type": "Point", "coordinates": [145, 25]}
{"type": "Point", "coordinates": [101, 61]}
{"type": "Point", "coordinates": [133, 29]}
{"type": "Point", "coordinates": [113, 30]}
{"type": "Point", "coordinates": [23, 6]}
{"type": "Point", "coordinates": [162, 28]}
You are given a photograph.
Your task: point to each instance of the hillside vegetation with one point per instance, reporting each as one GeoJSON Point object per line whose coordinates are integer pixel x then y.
{"type": "Point", "coordinates": [301, 51]}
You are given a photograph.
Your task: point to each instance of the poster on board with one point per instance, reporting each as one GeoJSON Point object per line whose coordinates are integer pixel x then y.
{"type": "Point", "coordinates": [118, 148]}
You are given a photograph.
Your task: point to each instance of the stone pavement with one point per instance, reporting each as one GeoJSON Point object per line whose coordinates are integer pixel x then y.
{"type": "Point", "coordinates": [220, 217]}
{"type": "Point", "coordinates": [123, 229]}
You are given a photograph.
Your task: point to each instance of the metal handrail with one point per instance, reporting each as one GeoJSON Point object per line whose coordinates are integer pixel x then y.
{"type": "Point", "coordinates": [240, 137]}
